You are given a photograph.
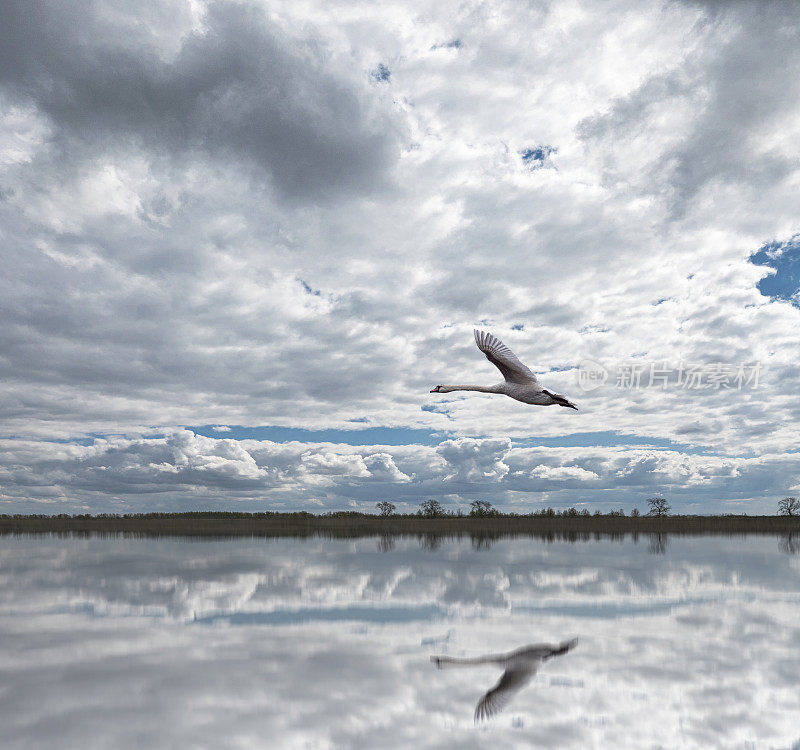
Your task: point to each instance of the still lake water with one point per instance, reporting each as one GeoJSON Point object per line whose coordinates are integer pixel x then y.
{"type": "Point", "coordinates": [112, 642]}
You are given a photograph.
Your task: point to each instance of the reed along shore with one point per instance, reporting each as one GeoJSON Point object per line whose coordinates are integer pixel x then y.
{"type": "Point", "coordinates": [349, 525]}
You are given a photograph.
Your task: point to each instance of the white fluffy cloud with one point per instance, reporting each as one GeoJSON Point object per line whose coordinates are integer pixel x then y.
{"type": "Point", "coordinates": [218, 214]}
{"type": "Point", "coordinates": [189, 472]}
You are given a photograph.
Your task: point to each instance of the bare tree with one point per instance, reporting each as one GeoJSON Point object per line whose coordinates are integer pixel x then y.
{"type": "Point", "coordinates": [482, 509]}
{"type": "Point", "coordinates": [789, 506]}
{"type": "Point", "coordinates": [431, 509]}
{"type": "Point", "coordinates": [635, 513]}
{"type": "Point", "coordinates": [658, 506]}
{"type": "Point", "coordinates": [385, 507]}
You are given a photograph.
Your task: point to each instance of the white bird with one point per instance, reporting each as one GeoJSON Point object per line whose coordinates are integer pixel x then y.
{"type": "Point", "coordinates": [519, 666]}
{"type": "Point", "coordinates": [520, 383]}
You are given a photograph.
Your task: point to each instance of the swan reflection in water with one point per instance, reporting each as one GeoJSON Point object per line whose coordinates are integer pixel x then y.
{"type": "Point", "coordinates": [519, 665]}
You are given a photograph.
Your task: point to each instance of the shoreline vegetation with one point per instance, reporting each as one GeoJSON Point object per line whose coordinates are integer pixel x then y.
{"type": "Point", "coordinates": [346, 524]}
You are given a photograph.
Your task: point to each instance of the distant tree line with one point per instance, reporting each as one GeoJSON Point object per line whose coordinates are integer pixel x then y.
{"type": "Point", "coordinates": [658, 507]}
{"type": "Point", "coordinates": [484, 509]}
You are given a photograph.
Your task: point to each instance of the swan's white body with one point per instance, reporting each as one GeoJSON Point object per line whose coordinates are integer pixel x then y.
{"type": "Point", "coordinates": [520, 383]}
{"type": "Point", "coordinates": [519, 667]}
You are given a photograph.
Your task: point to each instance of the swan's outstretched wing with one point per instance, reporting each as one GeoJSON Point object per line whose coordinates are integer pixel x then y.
{"type": "Point", "coordinates": [504, 359]}
{"type": "Point", "coordinates": [499, 696]}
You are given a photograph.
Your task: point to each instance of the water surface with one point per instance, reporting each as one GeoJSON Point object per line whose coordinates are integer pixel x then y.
{"type": "Point", "coordinates": [112, 642]}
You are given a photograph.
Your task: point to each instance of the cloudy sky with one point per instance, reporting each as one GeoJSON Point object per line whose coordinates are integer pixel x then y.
{"type": "Point", "coordinates": [242, 241]}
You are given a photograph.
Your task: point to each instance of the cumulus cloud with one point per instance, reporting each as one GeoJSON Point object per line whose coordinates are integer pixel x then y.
{"type": "Point", "coordinates": [475, 459]}
{"type": "Point", "coordinates": [382, 466]}
{"type": "Point", "coordinates": [557, 473]}
{"type": "Point", "coordinates": [187, 471]}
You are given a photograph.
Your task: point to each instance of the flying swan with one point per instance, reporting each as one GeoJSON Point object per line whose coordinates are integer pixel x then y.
{"type": "Point", "coordinates": [520, 383]}
{"type": "Point", "coordinates": [519, 665]}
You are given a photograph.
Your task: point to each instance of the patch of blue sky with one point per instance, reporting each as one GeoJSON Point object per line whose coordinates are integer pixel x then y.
{"type": "Point", "coordinates": [403, 436]}
{"type": "Point", "coordinates": [360, 436]}
{"type": "Point", "coordinates": [608, 439]}
{"type": "Point", "coordinates": [415, 436]}
{"type": "Point", "coordinates": [71, 441]}
{"type": "Point", "coordinates": [452, 44]}
{"type": "Point", "coordinates": [437, 409]}
{"type": "Point", "coordinates": [784, 257]}
{"type": "Point", "coordinates": [382, 74]}
{"type": "Point", "coordinates": [308, 288]}
{"type": "Point", "coordinates": [535, 157]}
{"type": "Point", "coordinates": [84, 440]}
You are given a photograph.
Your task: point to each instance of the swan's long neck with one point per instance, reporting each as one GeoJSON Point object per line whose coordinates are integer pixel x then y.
{"type": "Point", "coordinates": [456, 661]}
{"type": "Point", "coordinates": [481, 388]}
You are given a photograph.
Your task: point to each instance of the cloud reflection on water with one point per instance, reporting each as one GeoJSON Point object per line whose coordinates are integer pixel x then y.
{"type": "Point", "coordinates": [114, 642]}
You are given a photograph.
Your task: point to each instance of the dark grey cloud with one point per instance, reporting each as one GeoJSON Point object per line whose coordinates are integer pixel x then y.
{"type": "Point", "coordinates": [237, 89]}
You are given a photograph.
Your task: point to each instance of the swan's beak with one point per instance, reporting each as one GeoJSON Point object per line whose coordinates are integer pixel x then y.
{"type": "Point", "coordinates": [435, 390]}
